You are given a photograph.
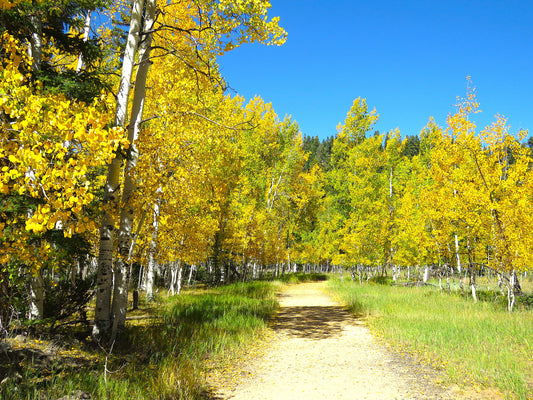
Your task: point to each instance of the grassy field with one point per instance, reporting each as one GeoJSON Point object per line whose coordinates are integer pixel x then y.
{"type": "Point", "coordinates": [475, 343]}
{"type": "Point", "coordinates": [163, 354]}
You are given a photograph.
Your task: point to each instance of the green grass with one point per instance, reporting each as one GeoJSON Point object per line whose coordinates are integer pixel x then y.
{"type": "Point", "coordinates": [478, 343]}
{"type": "Point", "coordinates": [164, 357]}
{"type": "Point", "coordinates": [301, 277]}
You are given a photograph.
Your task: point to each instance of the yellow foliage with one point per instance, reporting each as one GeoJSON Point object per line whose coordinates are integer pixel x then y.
{"type": "Point", "coordinates": [50, 150]}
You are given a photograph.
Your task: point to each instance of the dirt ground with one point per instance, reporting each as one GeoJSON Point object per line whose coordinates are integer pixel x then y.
{"type": "Point", "coordinates": [318, 350]}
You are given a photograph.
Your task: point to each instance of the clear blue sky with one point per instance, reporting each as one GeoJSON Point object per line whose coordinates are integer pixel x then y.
{"type": "Point", "coordinates": [409, 59]}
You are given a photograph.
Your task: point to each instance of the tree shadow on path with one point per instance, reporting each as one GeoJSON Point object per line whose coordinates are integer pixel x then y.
{"type": "Point", "coordinates": [312, 322]}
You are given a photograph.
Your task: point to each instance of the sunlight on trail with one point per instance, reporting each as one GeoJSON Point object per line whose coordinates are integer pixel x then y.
{"type": "Point", "coordinates": [320, 351]}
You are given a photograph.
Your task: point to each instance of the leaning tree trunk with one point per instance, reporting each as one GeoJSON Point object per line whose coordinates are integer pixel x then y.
{"type": "Point", "coordinates": [121, 282]}
{"type": "Point", "coordinates": [104, 280]}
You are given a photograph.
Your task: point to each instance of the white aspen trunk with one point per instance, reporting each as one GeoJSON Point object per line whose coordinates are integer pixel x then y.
{"type": "Point", "coordinates": [142, 277]}
{"type": "Point", "coordinates": [35, 52]}
{"type": "Point", "coordinates": [149, 281]}
{"type": "Point", "coordinates": [86, 30]}
{"type": "Point", "coordinates": [35, 45]}
{"type": "Point", "coordinates": [222, 274]}
{"type": "Point", "coordinates": [426, 274]}
{"type": "Point", "coordinates": [473, 286]}
{"type": "Point", "coordinates": [173, 277]}
{"type": "Point", "coordinates": [458, 257]}
{"type": "Point", "coordinates": [510, 292]}
{"type": "Point", "coordinates": [191, 271]}
{"type": "Point", "coordinates": [179, 278]}
{"type": "Point", "coordinates": [36, 300]}
{"type": "Point", "coordinates": [288, 256]}
{"type": "Point", "coordinates": [36, 297]}
{"type": "Point", "coordinates": [104, 281]}
{"type": "Point", "coordinates": [120, 290]}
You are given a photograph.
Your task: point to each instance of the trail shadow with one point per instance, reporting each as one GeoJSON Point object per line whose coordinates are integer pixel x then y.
{"type": "Point", "coordinates": [312, 322]}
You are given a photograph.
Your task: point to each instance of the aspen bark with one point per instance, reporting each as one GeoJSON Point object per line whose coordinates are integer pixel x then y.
{"type": "Point", "coordinates": [86, 30]}
{"type": "Point", "coordinates": [121, 284]}
{"type": "Point", "coordinates": [104, 280]}
{"type": "Point", "coordinates": [36, 298]}
{"type": "Point", "coordinates": [176, 276]}
{"type": "Point", "coordinates": [473, 286]}
{"type": "Point", "coordinates": [35, 46]}
{"type": "Point", "coordinates": [179, 278]}
{"type": "Point", "coordinates": [191, 271]}
{"type": "Point", "coordinates": [149, 281]}
{"type": "Point", "coordinates": [35, 52]}
{"type": "Point", "coordinates": [510, 292]}
{"type": "Point", "coordinates": [457, 255]}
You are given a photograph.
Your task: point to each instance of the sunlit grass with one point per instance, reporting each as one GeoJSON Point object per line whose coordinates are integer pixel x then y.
{"type": "Point", "coordinates": [473, 342]}
{"type": "Point", "coordinates": [164, 355]}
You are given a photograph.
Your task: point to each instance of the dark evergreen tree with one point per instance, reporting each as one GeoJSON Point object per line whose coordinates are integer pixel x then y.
{"type": "Point", "coordinates": [319, 152]}
{"type": "Point", "coordinates": [412, 146]}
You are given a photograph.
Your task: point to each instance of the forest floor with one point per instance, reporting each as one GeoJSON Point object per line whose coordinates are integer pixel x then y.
{"type": "Point", "coordinates": [317, 350]}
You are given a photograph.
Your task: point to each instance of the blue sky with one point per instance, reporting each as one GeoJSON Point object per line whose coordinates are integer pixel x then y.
{"type": "Point", "coordinates": [409, 59]}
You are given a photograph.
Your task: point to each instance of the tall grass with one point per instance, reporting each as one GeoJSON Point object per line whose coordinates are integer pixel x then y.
{"type": "Point", "coordinates": [477, 343]}
{"type": "Point", "coordinates": [163, 357]}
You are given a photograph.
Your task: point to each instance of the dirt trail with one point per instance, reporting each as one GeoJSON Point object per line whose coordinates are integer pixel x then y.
{"type": "Point", "coordinates": [320, 351]}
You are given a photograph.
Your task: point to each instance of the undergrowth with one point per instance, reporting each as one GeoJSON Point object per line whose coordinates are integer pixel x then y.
{"type": "Point", "coordinates": [162, 354]}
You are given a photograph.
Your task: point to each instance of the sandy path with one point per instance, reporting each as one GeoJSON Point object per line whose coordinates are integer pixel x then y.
{"type": "Point", "coordinates": [320, 351]}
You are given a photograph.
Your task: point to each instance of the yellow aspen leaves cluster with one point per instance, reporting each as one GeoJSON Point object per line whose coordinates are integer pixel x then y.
{"type": "Point", "coordinates": [53, 153]}
{"type": "Point", "coordinates": [7, 4]}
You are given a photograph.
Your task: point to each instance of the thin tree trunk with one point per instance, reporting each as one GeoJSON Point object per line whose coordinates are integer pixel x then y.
{"type": "Point", "coordinates": [35, 46]}
{"type": "Point", "coordinates": [149, 282]}
{"type": "Point", "coordinates": [510, 292]}
{"type": "Point", "coordinates": [473, 286]}
{"type": "Point", "coordinates": [36, 297]}
{"type": "Point", "coordinates": [191, 271]}
{"type": "Point", "coordinates": [457, 255]}
{"type": "Point", "coordinates": [35, 52]}
{"type": "Point", "coordinates": [179, 278]}
{"type": "Point", "coordinates": [173, 276]}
